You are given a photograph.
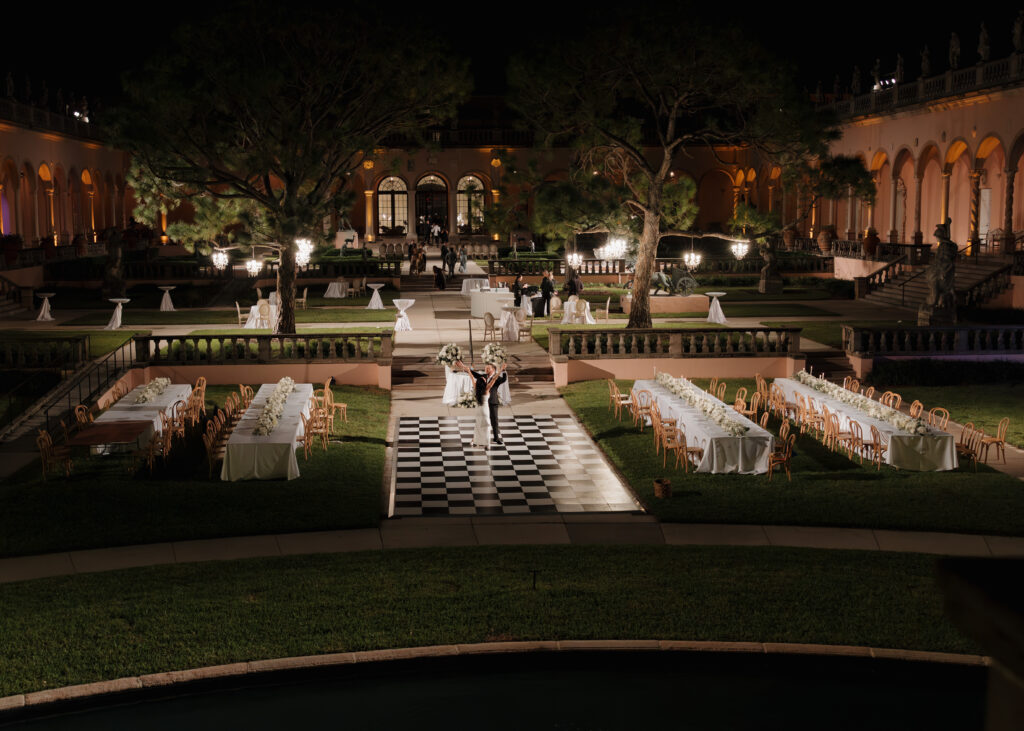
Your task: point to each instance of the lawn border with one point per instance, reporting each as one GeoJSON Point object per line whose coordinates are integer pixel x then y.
{"type": "Point", "coordinates": [305, 662]}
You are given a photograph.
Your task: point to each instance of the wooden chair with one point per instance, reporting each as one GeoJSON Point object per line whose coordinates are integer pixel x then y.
{"type": "Point", "coordinates": [687, 453]}
{"type": "Point", "coordinates": [720, 393]}
{"type": "Point", "coordinates": [876, 448]}
{"type": "Point", "coordinates": [660, 426]}
{"type": "Point", "coordinates": [179, 412]}
{"type": "Point", "coordinates": [763, 423]}
{"type": "Point", "coordinates": [755, 407]}
{"type": "Point", "coordinates": [846, 382]}
{"type": "Point", "coordinates": [489, 326]}
{"type": "Point", "coordinates": [82, 415]}
{"type": "Point", "coordinates": [556, 308]}
{"type": "Point", "coordinates": [891, 399]}
{"type": "Point", "coordinates": [580, 311]}
{"type": "Point", "coordinates": [242, 319]}
{"type": "Point", "coordinates": [741, 394]}
{"type": "Point", "coordinates": [969, 444]}
{"type": "Point", "coordinates": [259, 293]}
{"type": "Point", "coordinates": [604, 313]}
{"type": "Point", "coordinates": [641, 406]}
{"type": "Point", "coordinates": [320, 424]}
{"type": "Point", "coordinates": [306, 440]}
{"type": "Point", "coordinates": [781, 457]}
{"type": "Point", "coordinates": [302, 300]}
{"type": "Point", "coordinates": [784, 429]}
{"type": "Point", "coordinates": [938, 417]}
{"type": "Point", "coordinates": [522, 327]}
{"type": "Point", "coordinates": [713, 386]}
{"type": "Point", "coordinates": [855, 385]}
{"type": "Point", "coordinates": [869, 392]}
{"type": "Point", "coordinates": [916, 408]}
{"type": "Point", "coordinates": [617, 399]}
{"type": "Point", "coordinates": [50, 455]}
{"type": "Point", "coordinates": [853, 440]}
{"type": "Point", "coordinates": [998, 441]}
{"type": "Point", "coordinates": [672, 441]}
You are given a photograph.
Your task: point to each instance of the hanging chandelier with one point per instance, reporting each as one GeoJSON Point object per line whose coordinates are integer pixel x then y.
{"type": "Point", "coordinates": [303, 252]}
{"type": "Point", "coordinates": [740, 249]}
{"type": "Point", "coordinates": [254, 267]}
{"type": "Point", "coordinates": [575, 260]}
{"type": "Point", "coordinates": [691, 259]}
{"type": "Point", "coordinates": [219, 258]}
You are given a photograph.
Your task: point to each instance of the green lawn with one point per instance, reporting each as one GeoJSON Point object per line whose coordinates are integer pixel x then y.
{"type": "Point", "coordinates": [225, 317]}
{"type": "Point", "coordinates": [92, 627]}
{"type": "Point", "coordinates": [101, 342]}
{"type": "Point", "coordinates": [102, 505]}
{"type": "Point", "coordinates": [984, 404]}
{"type": "Point", "coordinates": [827, 488]}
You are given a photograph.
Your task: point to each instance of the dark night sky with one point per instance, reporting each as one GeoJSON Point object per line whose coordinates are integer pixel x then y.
{"type": "Point", "coordinates": [93, 50]}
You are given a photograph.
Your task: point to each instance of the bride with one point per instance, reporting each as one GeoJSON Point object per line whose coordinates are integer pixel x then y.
{"type": "Point", "coordinates": [490, 379]}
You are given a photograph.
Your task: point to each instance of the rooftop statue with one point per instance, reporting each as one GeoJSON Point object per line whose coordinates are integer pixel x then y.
{"type": "Point", "coordinates": [926, 62]}
{"type": "Point", "coordinates": [984, 46]}
{"type": "Point", "coordinates": [954, 51]}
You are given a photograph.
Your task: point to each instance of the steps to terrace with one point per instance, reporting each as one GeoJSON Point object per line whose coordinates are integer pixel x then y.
{"type": "Point", "coordinates": [910, 288]}
{"type": "Point", "coordinates": [422, 372]}
{"type": "Point", "coordinates": [425, 282]}
{"type": "Point", "coordinates": [832, 362]}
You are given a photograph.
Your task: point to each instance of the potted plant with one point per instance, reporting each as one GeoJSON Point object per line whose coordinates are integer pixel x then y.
{"type": "Point", "coordinates": [870, 243]}
{"type": "Point", "coordinates": [789, 237]}
{"type": "Point", "coordinates": [826, 236]}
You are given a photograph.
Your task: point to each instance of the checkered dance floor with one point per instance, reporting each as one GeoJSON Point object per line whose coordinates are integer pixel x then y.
{"type": "Point", "coordinates": [547, 465]}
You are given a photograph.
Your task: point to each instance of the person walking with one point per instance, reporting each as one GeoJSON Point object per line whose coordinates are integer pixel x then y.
{"type": "Point", "coordinates": [452, 258]}
{"type": "Point", "coordinates": [547, 289]}
{"type": "Point", "coordinates": [463, 258]}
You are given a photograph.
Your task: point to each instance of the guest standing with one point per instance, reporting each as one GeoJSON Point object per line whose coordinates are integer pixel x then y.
{"type": "Point", "coordinates": [463, 258]}
{"type": "Point", "coordinates": [452, 258]}
{"type": "Point", "coordinates": [547, 288]}
{"type": "Point", "coordinates": [438, 278]}
{"type": "Point", "coordinates": [517, 290]}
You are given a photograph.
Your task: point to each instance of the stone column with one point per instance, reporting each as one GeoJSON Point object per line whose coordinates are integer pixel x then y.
{"type": "Point", "coordinates": [495, 194]}
{"type": "Point", "coordinates": [92, 214]}
{"type": "Point", "coordinates": [918, 183]}
{"type": "Point", "coordinates": [771, 197]}
{"type": "Point", "coordinates": [52, 214]}
{"type": "Point", "coordinates": [975, 205]}
{"type": "Point", "coordinates": [815, 213]}
{"type": "Point", "coordinates": [944, 213]}
{"type": "Point", "coordinates": [736, 190]}
{"type": "Point", "coordinates": [894, 235]}
{"type": "Point", "coordinates": [851, 234]}
{"type": "Point", "coordinates": [368, 201]}
{"type": "Point", "coordinates": [1008, 238]}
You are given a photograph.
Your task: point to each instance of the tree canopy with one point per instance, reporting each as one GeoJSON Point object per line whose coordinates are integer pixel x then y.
{"type": "Point", "coordinates": [275, 105]}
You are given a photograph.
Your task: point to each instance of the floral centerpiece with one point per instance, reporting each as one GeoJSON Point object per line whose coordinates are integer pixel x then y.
{"type": "Point", "coordinates": [872, 408]}
{"type": "Point", "coordinates": [449, 355]}
{"type": "Point", "coordinates": [712, 408]}
{"type": "Point", "coordinates": [153, 389]}
{"type": "Point", "coordinates": [494, 354]}
{"type": "Point", "coordinates": [274, 407]}
{"type": "Point", "coordinates": [466, 400]}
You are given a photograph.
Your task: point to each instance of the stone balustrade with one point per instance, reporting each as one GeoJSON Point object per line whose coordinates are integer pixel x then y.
{"type": "Point", "coordinates": [58, 352]}
{"type": "Point", "coordinates": [883, 276]}
{"type": "Point", "coordinates": [569, 343]}
{"type": "Point", "coordinates": [340, 347]}
{"type": "Point", "coordinates": [923, 341]}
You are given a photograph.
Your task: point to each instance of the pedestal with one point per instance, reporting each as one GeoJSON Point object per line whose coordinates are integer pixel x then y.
{"type": "Point", "coordinates": [929, 316]}
{"type": "Point", "coordinates": [770, 285]}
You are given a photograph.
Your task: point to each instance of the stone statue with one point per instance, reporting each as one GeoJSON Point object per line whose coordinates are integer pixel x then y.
{"type": "Point", "coordinates": [1018, 32]}
{"type": "Point", "coordinates": [940, 306]}
{"type": "Point", "coordinates": [855, 81]}
{"type": "Point", "coordinates": [771, 280]}
{"type": "Point", "coordinates": [984, 47]}
{"type": "Point", "coordinates": [114, 284]}
{"type": "Point", "coordinates": [876, 72]}
{"type": "Point", "coordinates": [926, 63]}
{"type": "Point", "coordinates": [674, 280]}
{"type": "Point", "coordinates": [954, 51]}
{"type": "Point", "coordinates": [899, 68]}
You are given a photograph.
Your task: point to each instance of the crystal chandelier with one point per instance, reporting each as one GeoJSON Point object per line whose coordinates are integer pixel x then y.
{"type": "Point", "coordinates": [219, 257]}
{"type": "Point", "coordinates": [303, 252]}
{"type": "Point", "coordinates": [575, 260]}
{"type": "Point", "coordinates": [740, 249]}
{"type": "Point", "coordinates": [253, 266]}
{"type": "Point", "coordinates": [691, 259]}
{"type": "Point", "coordinates": [614, 249]}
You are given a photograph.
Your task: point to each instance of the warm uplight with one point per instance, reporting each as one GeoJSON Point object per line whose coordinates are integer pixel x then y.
{"type": "Point", "coordinates": [219, 259]}
{"type": "Point", "coordinates": [614, 249]}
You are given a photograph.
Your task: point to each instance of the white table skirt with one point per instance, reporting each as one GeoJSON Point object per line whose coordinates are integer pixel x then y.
{"type": "Point", "coordinates": [376, 303]}
{"type": "Point", "coordinates": [44, 311]}
{"type": "Point", "coordinates": [489, 301]}
{"type": "Point", "coordinates": [253, 320]}
{"type": "Point", "coordinates": [166, 305]}
{"type": "Point", "coordinates": [249, 456]}
{"type": "Point", "coordinates": [473, 284]}
{"type": "Point", "coordinates": [932, 452]}
{"type": "Point", "coordinates": [457, 382]}
{"type": "Point", "coordinates": [402, 323]}
{"type": "Point", "coordinates": [723, 453]}
{"type": "Point", "coordinates": [509, 326]}
{"type": "Point", "coordinates": [569, 317]}
{"type": "Point", "coordinates": [127, 410]}
{"type": "Point", "coordinates": [337, 290]}
{"type": "Point", "coordinates": [715, 313]}
{"type": "Point", "coordinates": [115, 319]}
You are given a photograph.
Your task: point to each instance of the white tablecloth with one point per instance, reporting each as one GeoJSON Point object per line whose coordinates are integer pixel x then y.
{"type": "Point", "coordinates": [44, 311]}
{"type": "Point", "coordinates": [376, 303]}
{"type": "Point", "coordinates": [127, 410]}
{"type": "Point", "coordinates": [473, 284]}
{"type": "Point", "coordinates": [457, 382]}
{"type": "Point", "coordinates": [253, 457]}
{"type": "Point", "coordinates": [723, 453]}
{"type": "Point", "coordinates": [490, 301]}
{"type": "Point", "coordinates": [569, 317]}
{"type": "Point", "coordinates": [337, 290]}
{"type": "Point", "coordinates": [115, 319]}
{"type": "Point", "coordinates": [166, 305]}
{"type": "Point", "coordinates": [509, 325]}
{"type": "Point", "coordinates": [253, 321]}
{"type": "Point", "coordinates": [402, 323]}
{"type": "Point", "coordinates": [715, 313]}
{"type": "Point", "coordinates": [935, 451]}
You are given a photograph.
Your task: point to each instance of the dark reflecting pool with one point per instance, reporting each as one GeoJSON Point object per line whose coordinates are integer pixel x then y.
{"type": "Point", "coordinates": [663, 690]}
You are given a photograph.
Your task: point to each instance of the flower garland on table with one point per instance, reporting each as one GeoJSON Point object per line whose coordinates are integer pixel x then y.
{"type": "Point", "coordinates": [153, 389]}
{"type": "Point", "coordinates": [466, 400]}
{"type": "Point", "coordinates": [274, 407]}
{"type": "Point", "coordinates": [872, 408]}
{"type": "Point", "coordinates": [494, 354]}
{"type": "Point", "coordinates": [449, 355]}
{"type": "Point", "coordinates": [713, 409]}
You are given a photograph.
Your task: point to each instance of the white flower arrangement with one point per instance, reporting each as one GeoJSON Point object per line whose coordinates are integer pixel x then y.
{"type": "Point", "coordinates": [712, 408]}
{"type": "Point", "coordinates": [153, 389]}
{"type": "Point", "coordinates": [872, 408]}
{"type": "Point", "coordinates": [466, 400]}
{"type": "Point", "coordinates": [449, 355]}
{"type": "Point", "coordinates": [274, 407]}
{"type": "Point", "coordinates": [494, 354]}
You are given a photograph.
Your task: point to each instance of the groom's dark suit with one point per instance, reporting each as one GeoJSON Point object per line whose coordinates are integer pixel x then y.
{"type": "Point", "coordinates": [492, 401]}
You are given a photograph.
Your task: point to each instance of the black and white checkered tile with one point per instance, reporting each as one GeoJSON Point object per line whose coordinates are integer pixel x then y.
{"type": "Point", "coordinates": [546, 465]}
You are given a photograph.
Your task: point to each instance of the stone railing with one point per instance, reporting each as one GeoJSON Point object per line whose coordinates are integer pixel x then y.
{"type": "Point", "coordinates": [980, 292]}
{"type": "Point", "coordinates": [259, 349]}
{"type": "Point", "coordinates": [371, 267]}
{"type": "Point", "coordinates": [565, 343]}
{"type": "Point", "coordinates": [969, 339]}
{"type": "Point", "coordinates": [532, 266]}
{"type": "Point", "coordinates": [951, 83]}
{"type": "Point", "coordinates": [877, 280]}
{"type": "Point", "coordinates": [56, 352]}
{"type": "Point", "coordinates": [14, 293]}
{"type": "Point", "coordinates": [38, 118]}
{"type": "Point", "coordinates": [1018, 264]}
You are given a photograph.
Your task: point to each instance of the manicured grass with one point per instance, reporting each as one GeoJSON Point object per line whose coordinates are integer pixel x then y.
{"type": "Point", "coordinates": [101, 342]}
{"type": "Point", "coordinates": [750, 294]}
{"type": "Point", "coordinates": [983, 404]}
{"type": "Point", "coordinates": [216, 317]}
{"type": "Point", "coordinates": [826, 489]}
{"type": "Point", "coordinates": [92, 627]}
{"type": "Point", "coordinates": [103, 505]}
{"type": "Point", "coordinates": [831, 333]}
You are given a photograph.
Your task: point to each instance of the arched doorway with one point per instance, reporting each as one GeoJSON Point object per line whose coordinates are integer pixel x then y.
{"type": "Point", "coordinates": [392, 207]}
{"type": "Point", "coordinates": [469, 205]}
{"type": "Point", "coordinates": [431, 204]}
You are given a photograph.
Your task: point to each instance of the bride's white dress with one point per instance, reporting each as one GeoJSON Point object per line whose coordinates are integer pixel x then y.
{"type": "Point", "coordinates": [482, 427]}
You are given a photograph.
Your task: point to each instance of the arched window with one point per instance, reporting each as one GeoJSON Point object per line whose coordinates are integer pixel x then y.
{"type": "Point", "coordinates": [392, 207]}
{"type": "Point", "coordinates": [470, 205]}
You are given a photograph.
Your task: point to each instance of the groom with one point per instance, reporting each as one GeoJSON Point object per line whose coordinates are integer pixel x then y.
{"type": "Point", "coordinates": [487, 384]}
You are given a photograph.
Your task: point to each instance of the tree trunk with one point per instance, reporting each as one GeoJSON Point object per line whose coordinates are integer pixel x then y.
{"type": "Point", "coordinates": [286, 291]}
{"type": "Point", "coordinates": [640, 314]}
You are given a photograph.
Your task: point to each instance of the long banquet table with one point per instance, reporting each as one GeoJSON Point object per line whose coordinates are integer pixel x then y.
{"type": "Point", "coordinates": [249, 456]}
{"type": "Point", "coordinates": [934, 451]}
{"type": "Point", "coordinates": [723, 453]}
{"type": "Point", "coordinates": [127, 410]}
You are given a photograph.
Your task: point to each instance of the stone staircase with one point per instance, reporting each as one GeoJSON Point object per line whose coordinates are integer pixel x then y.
{"type": "Point", "coordinates": [425, 282]}
{"type": "Point", "coordinates": [909, 289]}
{"type": "Point", "coordinates": [415, 371]}
{"type": "Point", "coordinates": [833, 363]}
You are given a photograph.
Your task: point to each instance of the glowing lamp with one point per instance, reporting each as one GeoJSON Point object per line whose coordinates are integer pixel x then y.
{"type": "Point", "coordinates": [691, 259]}
{"type": "Point", "coordinates": [740, 249]}
{"type": "Point", "coordinates": [304, 251]}
{"type": "Point", "coordinates": [219, 259]}
{"type": "Point", "coordinates": [574, 260]}
{"type": "Point", "coordinates": [254, 267]}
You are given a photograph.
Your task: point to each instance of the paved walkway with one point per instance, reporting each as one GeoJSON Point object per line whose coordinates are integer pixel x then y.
{"type": "Point", "coordinates": [559, 529]}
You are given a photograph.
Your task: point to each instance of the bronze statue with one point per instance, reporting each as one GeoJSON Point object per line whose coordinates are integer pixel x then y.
{"type": "Point", "coordinates": [674, 281]}
{"type": "Point", "coordinates": [939, 308]}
